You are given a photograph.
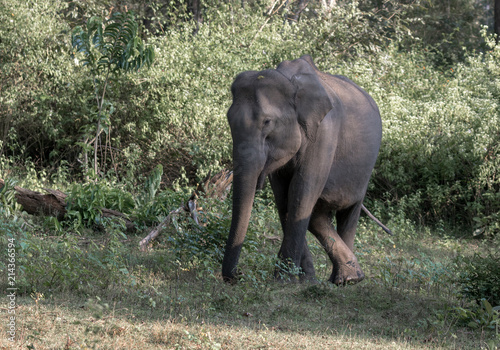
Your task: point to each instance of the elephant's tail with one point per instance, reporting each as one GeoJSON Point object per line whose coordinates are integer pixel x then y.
{"type": "Point", "coordinates": [376, 220]}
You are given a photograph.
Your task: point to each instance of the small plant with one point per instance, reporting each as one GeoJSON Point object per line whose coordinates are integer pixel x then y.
{"type": "Point", "coordinates": [287, 270]}
{"type": "Point", "coordinates": [7, 198]}
{"type": "Point", "coordinates": [147, 206]}
{"type": "Point", "coordinates": [204, 244]}
{"type": "Point", "coordinates": [480, 315]}
{"type": "Point", "coordinates": [86, 201]}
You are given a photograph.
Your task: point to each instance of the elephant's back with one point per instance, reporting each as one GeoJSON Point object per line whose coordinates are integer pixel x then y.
{"type": "Point", "coordinates": [354, 98]}
{"type": "Point", "coordinates": [359, 142]}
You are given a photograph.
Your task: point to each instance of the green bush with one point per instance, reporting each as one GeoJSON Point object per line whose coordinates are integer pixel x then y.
{"type": "Point", "coordinates": [439, 155]}
{"type": "Point", "coordinates": [86, 201]}
{"type": "Point", "coordinates": [479, 277]}
{"type": "Point", "coordinates": [40, 88]}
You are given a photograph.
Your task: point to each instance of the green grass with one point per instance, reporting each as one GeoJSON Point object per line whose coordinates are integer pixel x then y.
{"type": "Point", "coordinates": [407, 301]}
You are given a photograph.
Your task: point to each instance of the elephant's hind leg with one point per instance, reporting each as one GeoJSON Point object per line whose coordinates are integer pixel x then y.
{"type": "Point", "coordinates": [346, 268]}
{"type": "Point", "coordinates": [347, 222]}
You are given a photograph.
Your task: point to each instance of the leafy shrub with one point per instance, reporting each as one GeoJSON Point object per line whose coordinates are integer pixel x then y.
{"type": "Point", "coordinates": [439, 158]}
{"type": "Point", "coordinates": [479, 277]}
{"type": "Point", "coordinates": [7, 198]}
{"type": "Point", "coordinates": [145, 204]}
{"type": "Point", "coordinates": [109, 48]}
{"type": "Point", "coordinates": [86, 201]}
{"type": "Point", "coordinates": [481, 314]}
{"type": "Point", "coordinates": [40, 88]}
{"type": "Point", "coordinates": [197, 245]}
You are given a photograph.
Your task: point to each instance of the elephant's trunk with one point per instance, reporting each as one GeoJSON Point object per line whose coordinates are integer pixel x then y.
{"type": "Point", "coordinates": [244, 186]}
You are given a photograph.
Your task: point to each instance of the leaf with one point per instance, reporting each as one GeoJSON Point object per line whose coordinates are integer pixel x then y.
{"type": "Point", "coordinates": [487, 307]}
{"type": "Point", "coordinates": [473, 324]}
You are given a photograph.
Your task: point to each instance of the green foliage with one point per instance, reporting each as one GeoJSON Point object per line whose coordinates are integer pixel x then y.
{"type": "Point", "coordinates": [196, 245]}
{"type": "Point", "coordinates": [147, 206]}
{"type": "Point", "coordinates": [448, 27]}
{"type": "Point", "coordinates": [144, 205]}
{"type": "Point", "coordinates": [86, 201]}
{"type": "Point", "coordinates": [8, 203]}
{"type": "Point", "coordinates": [437, 119]}
{"type": "Point", "coordinates": [480, 315]}
{"type": "Point", "coordinates": [116, 42]}
{"type": "Point", "coordinates": [108, 48]}
{"type": "Point", "coordinates": [479, 277]}
{"type": "Point", "coordinates": [37, 82]}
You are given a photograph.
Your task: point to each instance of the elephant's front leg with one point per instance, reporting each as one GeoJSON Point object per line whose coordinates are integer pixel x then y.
{"type": "Point", "coordinates": [294, 251]}
{"type": "Point", "coordinates": [280, 186]}
{"type": "Point", "coordinates": [306, 187]}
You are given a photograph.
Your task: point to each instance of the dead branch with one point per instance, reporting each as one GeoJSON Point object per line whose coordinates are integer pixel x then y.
{"type": "Point", "coordinates": [217, 186]}
{"type": "Point", "coordinates": [36, 203]}
{"type": "Point", "coordinates": [144, 243]}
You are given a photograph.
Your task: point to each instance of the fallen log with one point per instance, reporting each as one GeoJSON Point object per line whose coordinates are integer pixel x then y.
{"type": "Point", "coordinates": [36, 203]}
{"type": "Point", "coordinates": [54, 204]}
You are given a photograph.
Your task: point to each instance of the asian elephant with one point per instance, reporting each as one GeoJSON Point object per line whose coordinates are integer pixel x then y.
{"type": "Point", "coordinates": [316, 137]}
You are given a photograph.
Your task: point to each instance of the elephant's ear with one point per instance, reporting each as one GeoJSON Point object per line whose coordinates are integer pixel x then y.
{"type": "Point", "coordinates": [312, 103]}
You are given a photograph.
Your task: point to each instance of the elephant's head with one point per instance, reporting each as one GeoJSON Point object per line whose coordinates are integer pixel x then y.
{"type": "Point", "coordinates": [274, 114]}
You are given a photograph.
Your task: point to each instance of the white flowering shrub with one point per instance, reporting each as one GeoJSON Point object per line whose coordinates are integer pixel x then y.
{"type": "Point", "coordinates": [440, 152]}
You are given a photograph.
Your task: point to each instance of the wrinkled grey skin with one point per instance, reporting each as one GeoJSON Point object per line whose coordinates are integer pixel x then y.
{"type": "Point", "coordinates": [316, 137]}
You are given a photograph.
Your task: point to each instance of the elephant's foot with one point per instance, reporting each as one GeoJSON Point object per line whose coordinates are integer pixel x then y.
{"type": "Point", "coordinates": [347, 273]}
{"type": "Point", "coordinates": [308, 279]}
{"type": "Point", "coordinates": [294, 278]}
{"type": "Point", "coordinates": [292, 274]}
{"type": "Point", "coordinates": [282, 275]}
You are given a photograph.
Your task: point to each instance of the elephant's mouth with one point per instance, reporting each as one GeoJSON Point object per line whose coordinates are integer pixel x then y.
{"type": "Point", "coordinates": [270, 167]}
{"type": "Point", "coordinates": [261, 181]}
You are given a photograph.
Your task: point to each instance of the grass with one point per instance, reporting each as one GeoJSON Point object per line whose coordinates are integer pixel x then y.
{"type": "Point", "coordinates": [406, 302]}
{"type": "Point", "coordinates": [296, 317]}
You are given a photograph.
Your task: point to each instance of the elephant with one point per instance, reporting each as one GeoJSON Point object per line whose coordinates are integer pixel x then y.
{"type": "Point", "coordinates": [316, 137]}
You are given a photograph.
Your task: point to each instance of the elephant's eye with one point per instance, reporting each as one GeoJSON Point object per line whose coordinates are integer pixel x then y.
{"type": "Point", "coordinates": [267, 122]}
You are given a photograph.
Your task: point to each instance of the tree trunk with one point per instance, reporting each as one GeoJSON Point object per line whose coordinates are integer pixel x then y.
{"type": "Point", "coordinates": [300, 7]}
{"type": "Point", "coordinates": [196, 9]}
